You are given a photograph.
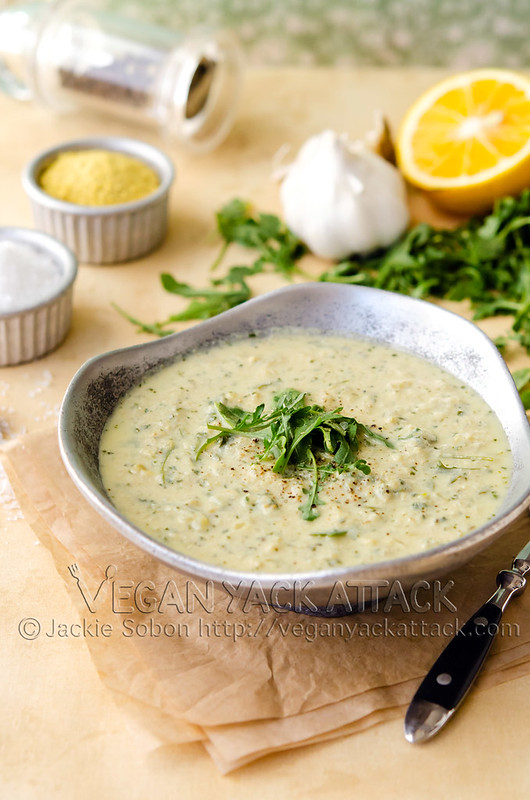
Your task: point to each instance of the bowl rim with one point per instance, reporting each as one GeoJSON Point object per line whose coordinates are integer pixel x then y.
{"type": "Point", "coordinates": [420, 563]}
{"type": "Point", "coordinates": [153, 156]}
{"type": "Point", "coordinates": [60, 252]}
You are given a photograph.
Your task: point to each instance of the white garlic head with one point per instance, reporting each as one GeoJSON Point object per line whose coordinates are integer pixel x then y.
{"type": "Point", "coordinates": [341, 199]}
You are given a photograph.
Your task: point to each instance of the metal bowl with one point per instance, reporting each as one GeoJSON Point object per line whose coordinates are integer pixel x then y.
{"type": "Point", "coordinates": [439, 336]}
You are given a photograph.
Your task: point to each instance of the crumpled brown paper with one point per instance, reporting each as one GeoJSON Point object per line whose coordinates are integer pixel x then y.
{"type": "Point", "coordinates": [247, 681]}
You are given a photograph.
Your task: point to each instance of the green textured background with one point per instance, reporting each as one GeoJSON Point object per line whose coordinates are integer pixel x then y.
{"type": "Point", "coordinates": [450, 33]}
{"type": "Point", "coordinates": [456, 33]}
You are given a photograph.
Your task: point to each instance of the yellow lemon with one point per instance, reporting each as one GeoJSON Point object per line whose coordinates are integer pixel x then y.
{"type": "Point", "coordinates": [467, 139]}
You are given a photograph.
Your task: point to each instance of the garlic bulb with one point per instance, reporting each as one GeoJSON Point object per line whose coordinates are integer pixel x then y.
{"type": "Point", "coordinates": [341, 198]}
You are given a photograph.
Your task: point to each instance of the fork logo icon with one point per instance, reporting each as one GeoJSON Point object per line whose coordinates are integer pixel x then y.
{"type": "Point", "coordinates": [90, 599]}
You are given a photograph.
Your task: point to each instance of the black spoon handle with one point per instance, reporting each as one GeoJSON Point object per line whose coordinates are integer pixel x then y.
{"type": "Point", "coordinates": [457, 667]}
{"type": "Point", "coordinates": [447, 682]}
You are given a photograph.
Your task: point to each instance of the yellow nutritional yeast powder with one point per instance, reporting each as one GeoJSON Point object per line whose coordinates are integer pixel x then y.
{"type": "Point", "coordinates": [98, 178]}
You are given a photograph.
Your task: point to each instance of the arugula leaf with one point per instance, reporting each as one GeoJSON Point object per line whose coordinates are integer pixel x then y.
{"type": "Point", "coordinates": [276, 244]}
{"type": "Point", "coordinates": [231, 218]}
{"type": "Point", "coordinates": [210, 302]}
{"type": "Point", "coordinates": [522, 382]}
{"type": "Point", "coordinates": [521, 378]}
{"type": "Point", "coordinates": [308, 508]}
{"type": "Point", "coordinates": [300, 437]}
{"type": "Point", "coordinates": [156, 327]}
{"type": "Point", "coordinates": [278, 251]}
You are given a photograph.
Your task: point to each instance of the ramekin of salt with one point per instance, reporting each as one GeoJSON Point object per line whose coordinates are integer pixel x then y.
{"type": "Point", "coordinates": [37, 273]}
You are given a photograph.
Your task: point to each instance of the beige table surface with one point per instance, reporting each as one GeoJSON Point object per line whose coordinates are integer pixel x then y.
{"type": "Point", "coordinates": [62, 734]}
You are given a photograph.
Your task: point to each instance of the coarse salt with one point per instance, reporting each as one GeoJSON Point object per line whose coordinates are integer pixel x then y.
{"type": "Point", "coordinates": [28, 276]}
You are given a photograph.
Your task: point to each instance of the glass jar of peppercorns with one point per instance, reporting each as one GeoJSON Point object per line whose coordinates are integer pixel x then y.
{"type": "Point", "coordinates": [75, 54]}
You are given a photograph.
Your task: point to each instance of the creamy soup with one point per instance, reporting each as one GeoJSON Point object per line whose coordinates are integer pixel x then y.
{"type": "Point", "coordinates": [442, 472]}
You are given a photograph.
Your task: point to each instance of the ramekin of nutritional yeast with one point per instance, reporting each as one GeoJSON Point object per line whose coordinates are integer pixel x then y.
{"type": "Point", "coordinates": [105, 197]}
{"type": "Point", "coordinates": [318, 436]}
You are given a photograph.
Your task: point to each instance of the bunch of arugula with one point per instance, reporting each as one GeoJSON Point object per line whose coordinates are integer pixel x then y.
{"type": "Point", "coordinates": [485, 260]}
{"type": "Point", "coordinates": [300, 437]}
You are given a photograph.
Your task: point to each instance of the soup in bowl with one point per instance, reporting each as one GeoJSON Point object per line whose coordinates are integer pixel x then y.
{"type": "Point", "coordinates": [317, 434]}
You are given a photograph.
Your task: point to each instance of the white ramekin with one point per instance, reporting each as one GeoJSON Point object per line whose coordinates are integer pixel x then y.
{"type": "Point", "coordinates": [104, 234]}
{"type": "Point", "coordinates": [34, 330]}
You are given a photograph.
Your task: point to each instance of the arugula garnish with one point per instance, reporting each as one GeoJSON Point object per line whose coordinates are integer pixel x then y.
{"type": "Point", "coordinates": [299, 437]}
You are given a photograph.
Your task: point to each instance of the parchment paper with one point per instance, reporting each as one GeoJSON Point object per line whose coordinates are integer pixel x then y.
{"type": "Point", "coordinates": [195, 665]}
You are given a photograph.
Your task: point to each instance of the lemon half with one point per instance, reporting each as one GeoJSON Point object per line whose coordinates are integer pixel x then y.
{"type": "Point", "coordinates": [467, 139]}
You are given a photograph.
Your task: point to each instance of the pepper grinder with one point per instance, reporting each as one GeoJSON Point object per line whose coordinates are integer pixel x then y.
{"type": "Point", "coordinates": [74, 54]}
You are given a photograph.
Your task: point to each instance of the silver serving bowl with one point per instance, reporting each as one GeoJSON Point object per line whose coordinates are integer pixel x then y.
{"type": "Point", "coordinates": [412, 325]}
